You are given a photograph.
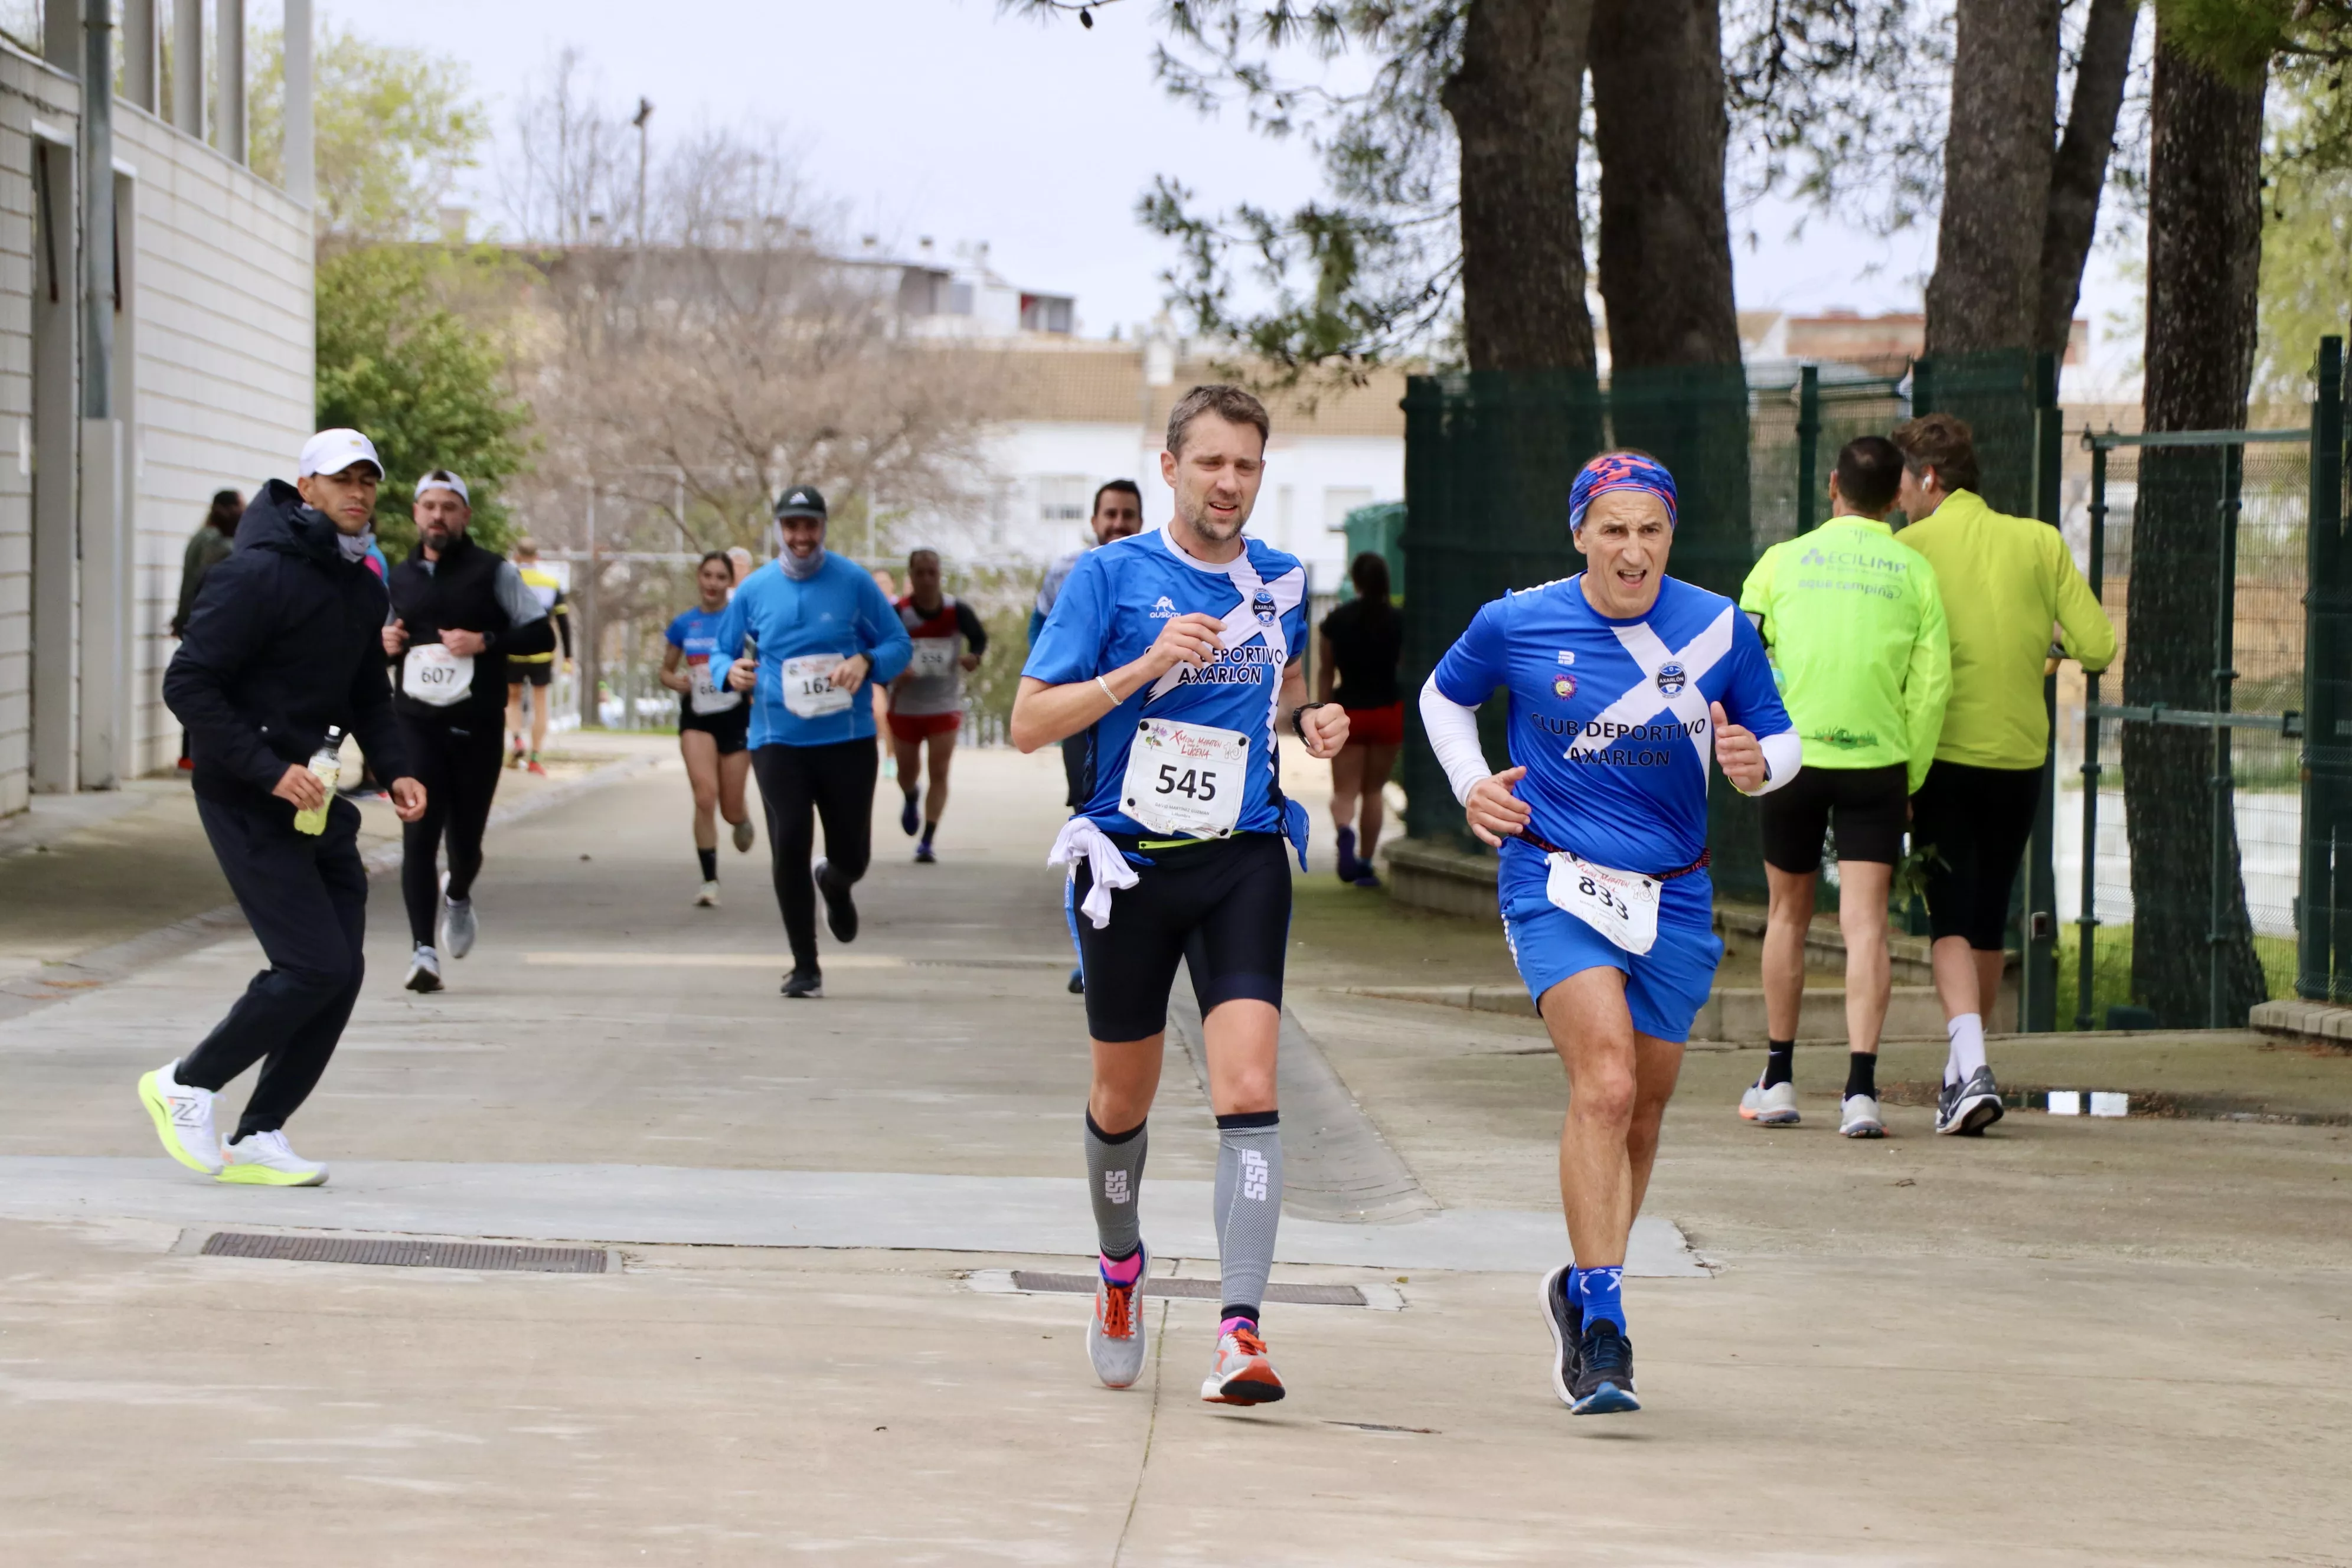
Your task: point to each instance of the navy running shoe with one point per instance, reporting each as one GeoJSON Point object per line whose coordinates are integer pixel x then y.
{"type": "Point", "coordinates": [1604, 1372]}
{"type": "Point", "coordinates": [910, 816]}
{"type": "Point", "coordinates": [1567, 1325]}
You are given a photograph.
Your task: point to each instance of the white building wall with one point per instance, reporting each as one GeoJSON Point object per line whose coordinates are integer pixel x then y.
{"type": "Point", "coordinates": [28, 91]}
{"type": "Point", "coordinates": [223, 324]}
{"type": "Point", "coordinates": [217, 339]}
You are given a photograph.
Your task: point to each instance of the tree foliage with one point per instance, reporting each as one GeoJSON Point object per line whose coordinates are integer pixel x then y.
{"type": "Point", "coordinates": [393, 129]}
{"type": "Point", "coordinates": [426, 386]}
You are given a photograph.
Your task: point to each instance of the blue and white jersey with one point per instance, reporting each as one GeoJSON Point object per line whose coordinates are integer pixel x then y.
{"type": "Point", "coordinates": [798, 626]}
{"type": "Point", "coordinates": [1610, 719]}
{"type": "Point", "coordinates": [1111, 610]}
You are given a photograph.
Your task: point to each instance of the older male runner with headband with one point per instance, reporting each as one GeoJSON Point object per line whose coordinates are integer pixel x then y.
{"type": "Point", "coordinates": [1180, 651]}
{"type": "Point", "coordinates": [1619, 678]}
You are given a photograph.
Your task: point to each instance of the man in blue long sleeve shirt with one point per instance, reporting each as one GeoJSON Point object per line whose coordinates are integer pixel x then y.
{"type": "Point", "coordinates": [808, 635]}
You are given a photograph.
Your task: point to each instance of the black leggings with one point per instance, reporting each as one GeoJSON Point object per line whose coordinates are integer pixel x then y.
{"type": "Point", "coordinates": [836, 782]}
{"type": "Point", "coordinates": [458, 766]}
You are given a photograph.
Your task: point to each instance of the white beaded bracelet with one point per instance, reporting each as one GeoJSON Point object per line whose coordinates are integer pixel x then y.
{"type": "Point", "coordinates": [1107, 691]}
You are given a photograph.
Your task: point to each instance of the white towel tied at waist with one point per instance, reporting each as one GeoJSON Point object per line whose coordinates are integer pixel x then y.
{"type": "Point", "coordinates": [1105, 864]}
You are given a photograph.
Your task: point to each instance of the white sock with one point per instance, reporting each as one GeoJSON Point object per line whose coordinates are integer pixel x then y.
{"type": "Point", "coordinates": [1967, 1035]}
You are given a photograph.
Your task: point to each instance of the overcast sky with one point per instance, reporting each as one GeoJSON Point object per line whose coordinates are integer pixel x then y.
{"type": "Point", "coordinates": [943, 118]}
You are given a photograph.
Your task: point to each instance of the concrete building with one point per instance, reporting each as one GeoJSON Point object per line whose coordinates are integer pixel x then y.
{"type": "Point", "coordinates": [156, 339]}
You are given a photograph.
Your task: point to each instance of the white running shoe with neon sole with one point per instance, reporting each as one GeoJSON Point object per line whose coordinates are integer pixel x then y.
{"type": "Point", "coordinates": [1241, 1374]}
{"type": "Point", "coordinates": [1773, 1107]}
{"type": "Point", "coordinates": [267, 1160]}
{"type": "Point", "coordinates": [709, 898]}
{"type": "Point", "coordinates": [184, 1118]}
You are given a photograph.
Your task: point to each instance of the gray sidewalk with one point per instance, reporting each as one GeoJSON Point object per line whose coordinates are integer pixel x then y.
{"type": "Point", "coordinates": [2070, 1341]}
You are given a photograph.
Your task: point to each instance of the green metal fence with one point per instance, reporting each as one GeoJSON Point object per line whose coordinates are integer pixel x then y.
{"type": "Point", "coordinates": [1489, 457]}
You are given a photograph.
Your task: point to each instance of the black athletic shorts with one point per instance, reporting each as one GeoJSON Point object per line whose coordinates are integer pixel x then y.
{"type": "Point", "coordinates": [1866, 804]}
{"type": "Point", "coordinates": [731, 729]}
{"type": "Point", "coordinates": [537, 674]}
{"type": "Point", "coordinates": [1977, 820]}
{"type": "Point", "coordinates": [1222, 906]}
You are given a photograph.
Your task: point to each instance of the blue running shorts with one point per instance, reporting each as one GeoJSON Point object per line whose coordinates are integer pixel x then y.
{"type": "Point", "coordinates": [1665, 987]}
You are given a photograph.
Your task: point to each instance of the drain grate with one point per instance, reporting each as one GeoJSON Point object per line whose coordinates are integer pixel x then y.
{"type": "Point", "coordinates": [1196, 1290]}
{"type": "Point", "coordinates": [480, 1255]}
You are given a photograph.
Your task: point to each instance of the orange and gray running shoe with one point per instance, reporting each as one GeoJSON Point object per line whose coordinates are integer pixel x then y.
{"type": "Point", "coordinates": [1115, 1337]}
{"type": "Point", "coordinates": [1241, 1374]}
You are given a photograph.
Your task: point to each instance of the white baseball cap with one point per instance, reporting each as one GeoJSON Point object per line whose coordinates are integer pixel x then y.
{"type": "Point", "coordinates": [332, 451]}
{"type": "Point", "coordinates": [443, 479]}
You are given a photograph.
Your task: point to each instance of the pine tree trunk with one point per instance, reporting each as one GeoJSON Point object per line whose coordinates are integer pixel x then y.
{"type": "Point", "coordinates": [1676, 385]}
{"type": "Point", "coordinates": [2204, 254]}
{"type": "Point", "coordinates": [1516, 102]}
{"type": "Point", "coordinates": [1986, 292]}
{"type": "Point", "coordinates": [1659, 126]}
{"type": "Point", "coordinates": [2078, 172]}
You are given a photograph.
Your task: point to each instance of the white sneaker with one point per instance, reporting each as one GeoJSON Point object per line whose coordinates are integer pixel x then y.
{"type": "Point", "coordinates": [1773, 1107]}
{"type": "Point", "coordinates": [267, 1160]}
{"type": "Point", "coordinates": [1117, 1339]}
{"type": "Point", "coordinates": [743, 836]}
{"type": "Point", "coordinates": [709, 898]}
{"type": "Point", "coordinates": [1858, 1117]}
{"type": "Point", "coordinates": [423, 970]}
{"type": "Point", "coordinates": [457, 926]}
{"type": "Point", "coordinates": [184, 1120]}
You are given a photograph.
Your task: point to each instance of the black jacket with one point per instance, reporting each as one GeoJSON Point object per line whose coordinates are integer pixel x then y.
{"type": "Point", "coordinates": [285, 639]}
{"type": "Point", "coordinates": [461, 590]}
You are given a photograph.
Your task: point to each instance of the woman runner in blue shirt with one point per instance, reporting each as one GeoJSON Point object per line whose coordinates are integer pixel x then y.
{"type": "Point", "coordinates": [714, 721]}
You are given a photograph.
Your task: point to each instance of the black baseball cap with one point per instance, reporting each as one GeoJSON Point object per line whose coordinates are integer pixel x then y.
{"type": "Point", "coordinates": [801, 500]}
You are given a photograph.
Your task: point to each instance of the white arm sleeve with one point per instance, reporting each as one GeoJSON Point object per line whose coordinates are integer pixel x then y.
{"type": "Point", "coordinates": [1784, 756]}
{"type": "Point", "coordinates": [1453, 736]}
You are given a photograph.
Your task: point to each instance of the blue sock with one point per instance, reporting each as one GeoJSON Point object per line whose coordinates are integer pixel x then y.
{"type": "Point", "coordinates": [1598, 1289]}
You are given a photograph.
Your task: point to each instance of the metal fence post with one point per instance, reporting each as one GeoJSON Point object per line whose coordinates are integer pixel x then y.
{"type": "Point", "coordinates": [2088, 924]}
{"type": "Point", "coordinates": [1808, 443]}
{"type": "Point", "coordinates": [2038, 998]}
{"type": "Point", "coordinates": [2315, 903]}
{"type": "Point", "coordinates": [2225, 609]}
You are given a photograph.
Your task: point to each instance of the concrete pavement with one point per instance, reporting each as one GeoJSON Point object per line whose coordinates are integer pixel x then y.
{"type": "Point", "coordinates": [2070, 1341]}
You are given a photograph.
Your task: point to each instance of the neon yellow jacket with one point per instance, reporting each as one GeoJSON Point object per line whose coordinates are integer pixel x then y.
{"type": "Point", "coordinates": [1856, 629]}
{"type": "Point", "coordinates": [2006, 580]}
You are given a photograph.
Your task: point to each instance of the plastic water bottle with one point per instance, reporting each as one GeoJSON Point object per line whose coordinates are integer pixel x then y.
{"type": "Point", "coordinates": [326, 765]}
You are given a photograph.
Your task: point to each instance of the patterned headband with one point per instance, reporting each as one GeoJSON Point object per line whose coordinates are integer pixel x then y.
{"type": "Point", "coordinates": [1618, 471]}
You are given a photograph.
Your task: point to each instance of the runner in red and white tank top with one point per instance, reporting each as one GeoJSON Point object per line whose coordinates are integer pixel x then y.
{"type": "Point", "coordinates": [927, 700]}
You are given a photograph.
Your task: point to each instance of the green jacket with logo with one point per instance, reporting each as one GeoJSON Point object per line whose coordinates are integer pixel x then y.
{"type": "Point", "coordinates": [1855, 625]}
{"type": "Point", "coordinates": [2006, 580]}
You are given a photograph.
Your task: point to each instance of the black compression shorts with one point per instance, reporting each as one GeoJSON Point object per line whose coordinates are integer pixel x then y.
{"type": "Point", "coordinates": [1222, 906]}
{"type": "Point", "coordinates": [1866, 804]}
{"type": "Point", "coordinates": [731, 729]}
{"type": "Point", "coordinates": [1976, 821]}
{"type": "Point", "coordinates": [537, 674]}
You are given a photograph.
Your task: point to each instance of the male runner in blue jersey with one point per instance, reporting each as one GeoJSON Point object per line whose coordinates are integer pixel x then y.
{"type": "Point", "coordinates": [1619, 678]}
{"type": "Point", "coordinates": [821, 638]}
{"type": "Point", "coordinates": [1176, 653]}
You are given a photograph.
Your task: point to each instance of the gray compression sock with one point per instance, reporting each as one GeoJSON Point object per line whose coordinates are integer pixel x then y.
{"type": "Point", "coordinates": [1115, 1178]}
{"type": "Point", "coordinates": [1249, 1206]}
